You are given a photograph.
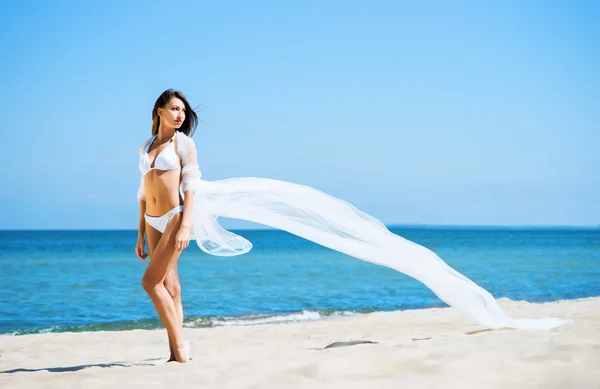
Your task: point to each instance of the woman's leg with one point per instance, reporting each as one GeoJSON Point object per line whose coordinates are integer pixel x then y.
{"type": "Point", "coordinates": [171, 282]}
{"type": "Point", "coordinates": [163, 258]}
{"type": "Point", "coordinates": [174, 288]}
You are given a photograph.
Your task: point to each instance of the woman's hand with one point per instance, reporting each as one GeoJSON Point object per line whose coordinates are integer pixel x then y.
{"type": "Point", "coordinates": [139, 248]}
{"type": "Point", "coordinates": [182, 240]}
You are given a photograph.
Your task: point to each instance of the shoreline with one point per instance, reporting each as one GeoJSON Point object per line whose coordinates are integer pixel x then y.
{"type": "Point", "coordinates": [238, 321]}
{"type": "Point", "coordinates": [422, 347]}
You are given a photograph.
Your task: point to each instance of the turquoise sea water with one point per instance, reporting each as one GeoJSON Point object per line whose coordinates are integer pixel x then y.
{"type": "Point", "coordinates": [90, 280]}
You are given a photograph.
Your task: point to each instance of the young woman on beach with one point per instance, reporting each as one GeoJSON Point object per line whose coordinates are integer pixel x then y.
{"type": "Point", "coordinates": [176, 205]}
{"type": "Point", "coordinates": [167, 162]}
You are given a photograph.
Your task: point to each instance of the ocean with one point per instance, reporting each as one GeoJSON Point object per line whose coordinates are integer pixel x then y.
{"type": "Point", "coordinates": [56, 281]}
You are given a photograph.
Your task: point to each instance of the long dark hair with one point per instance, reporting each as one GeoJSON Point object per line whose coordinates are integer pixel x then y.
{"type": "Point", "coordinates": [191, 118]}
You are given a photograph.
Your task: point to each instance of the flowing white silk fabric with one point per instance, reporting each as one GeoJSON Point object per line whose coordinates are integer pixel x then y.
{"type": "Point", "coordinates": [333, 223]}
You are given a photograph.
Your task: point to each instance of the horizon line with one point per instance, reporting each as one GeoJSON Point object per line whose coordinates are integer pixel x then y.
{"type": "Point", "coordinates": [410, 225]}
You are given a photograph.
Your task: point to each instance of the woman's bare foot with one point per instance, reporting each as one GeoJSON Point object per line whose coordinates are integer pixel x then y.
{"type": "Point", "coordinates": [181, 354]}
{"type": "Point", "coordinates": [184, 353]}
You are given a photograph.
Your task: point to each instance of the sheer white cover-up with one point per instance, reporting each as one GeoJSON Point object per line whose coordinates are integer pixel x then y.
{"type": "Point", "coordinates": [333, 223]}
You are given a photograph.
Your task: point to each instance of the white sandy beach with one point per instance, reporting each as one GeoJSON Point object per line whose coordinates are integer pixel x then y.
{"type": "Point", "coordinates": [432, 348]}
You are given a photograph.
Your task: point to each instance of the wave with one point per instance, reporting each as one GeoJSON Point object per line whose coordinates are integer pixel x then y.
{"type": "Point", "coordinates": [255, 319]}
{"type": "Point", "coordinates": [199, 322]}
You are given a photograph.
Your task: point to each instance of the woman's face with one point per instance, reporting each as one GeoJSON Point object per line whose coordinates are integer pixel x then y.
{"type": "Point", "coordinates": [173, 113]}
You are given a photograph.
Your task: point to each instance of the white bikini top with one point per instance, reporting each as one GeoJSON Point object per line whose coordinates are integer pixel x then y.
{"type": "Point", "coordinates": [167, 159]}
{"type": "Point", "coordinates": [170, 159]}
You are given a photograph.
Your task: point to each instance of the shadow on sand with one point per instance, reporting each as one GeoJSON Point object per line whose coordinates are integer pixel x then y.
{"type": "Point", "coordinates": [76, 368]}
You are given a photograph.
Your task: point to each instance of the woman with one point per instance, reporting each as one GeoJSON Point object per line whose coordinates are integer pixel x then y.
{"type": "Point", "coordinates": [165, 213]}
{"type": "Point", "coordinates": [298, 209]}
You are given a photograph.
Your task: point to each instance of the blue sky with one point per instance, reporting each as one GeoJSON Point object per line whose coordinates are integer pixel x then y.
{"type": "Point", "coordinates": [459, 113]}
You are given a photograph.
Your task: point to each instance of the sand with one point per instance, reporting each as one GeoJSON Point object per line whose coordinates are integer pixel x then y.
{"type": "Point", "coordinates": [430, 348]}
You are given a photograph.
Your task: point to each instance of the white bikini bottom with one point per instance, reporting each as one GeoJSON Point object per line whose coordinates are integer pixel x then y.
{"type": "Point", "coordinates": [160, 223]}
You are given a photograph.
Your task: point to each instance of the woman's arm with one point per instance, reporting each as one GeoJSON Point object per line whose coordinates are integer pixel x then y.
{"type": "Point", "coordinates": [141, 242]}
{"type": "Point", "coordinates": [187, 222]}
{"type": "Point", "coordinates": [142, 223]}
{"type": "Point", "coordinates": [190, 178]}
